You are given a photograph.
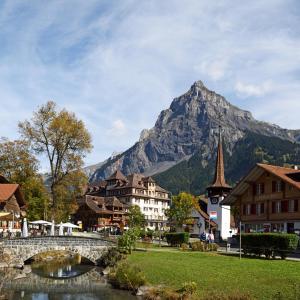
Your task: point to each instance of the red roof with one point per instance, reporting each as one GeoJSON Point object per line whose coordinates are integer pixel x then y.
{"type": "Point", "coordinates": [7, 190]}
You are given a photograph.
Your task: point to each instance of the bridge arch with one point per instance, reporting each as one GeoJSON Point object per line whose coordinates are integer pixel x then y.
{"type": "Point", "coordinates": [20, 250]}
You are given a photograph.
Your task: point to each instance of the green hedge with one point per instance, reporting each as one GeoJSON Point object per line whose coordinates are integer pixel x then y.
{"type": "Point", "coordinates": [177, 238]}
{"type": "Point", "coordinates": [269, 244]}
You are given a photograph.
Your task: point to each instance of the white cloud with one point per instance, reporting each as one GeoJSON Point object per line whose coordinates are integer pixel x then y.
{"type": "Point", "coordinates": [247, 90]}
{"type": "Point", "coordinates": [118, 129]}
{"type": "Point", "coordinates": [125, 60]}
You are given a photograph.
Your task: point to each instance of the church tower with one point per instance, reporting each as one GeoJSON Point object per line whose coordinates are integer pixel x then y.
{"type": "Point", "coordinates": [217, 191]}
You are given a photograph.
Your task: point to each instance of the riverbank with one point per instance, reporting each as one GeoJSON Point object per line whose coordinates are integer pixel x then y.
{"type": "Point", "coordinates": [220, 275]}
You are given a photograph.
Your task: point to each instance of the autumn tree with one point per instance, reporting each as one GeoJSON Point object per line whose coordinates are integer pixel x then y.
{"type": "Point", "coordinates": [19, 165]}
{"type": "Point", "coordinates": [180, 211]}
{"type": "Point", "coordinates": [64, 140]}
{"type": "Point", "coordinates": [135, 217]}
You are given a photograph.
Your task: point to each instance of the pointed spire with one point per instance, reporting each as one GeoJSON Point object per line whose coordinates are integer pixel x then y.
{"type": "Point", "coordinates": [219, 180]}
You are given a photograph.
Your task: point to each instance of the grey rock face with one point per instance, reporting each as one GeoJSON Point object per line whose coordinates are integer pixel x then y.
{"type": "Point", "coordinates": [189, 125]}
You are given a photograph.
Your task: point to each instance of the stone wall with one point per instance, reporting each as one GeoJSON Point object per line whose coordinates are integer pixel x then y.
{"type": "Point", "coordinates": [15, 252]}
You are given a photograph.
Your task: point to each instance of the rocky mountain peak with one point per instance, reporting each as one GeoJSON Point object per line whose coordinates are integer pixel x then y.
{"type": "Point", "coordinates": [189, 126]}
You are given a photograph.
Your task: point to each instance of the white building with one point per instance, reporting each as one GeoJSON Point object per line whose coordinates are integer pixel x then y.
{"type": "Point", "coordinates": [136, 189]}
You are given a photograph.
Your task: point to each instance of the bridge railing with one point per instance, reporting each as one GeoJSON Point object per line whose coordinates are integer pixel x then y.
{"type": "Point", "coordinates": [61, 240]}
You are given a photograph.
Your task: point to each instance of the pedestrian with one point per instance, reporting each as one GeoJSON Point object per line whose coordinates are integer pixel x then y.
{"type": "Point", "coordinates": [211, 238]}
{"type": "Point", "coordinates": [203, 236]}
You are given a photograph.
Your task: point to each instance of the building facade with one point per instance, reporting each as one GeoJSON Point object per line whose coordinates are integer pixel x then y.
{"type": "Point", "coordinates": [97, 213]}
{"type": "Point", "coordinates": [12, 206]}
{"type": "Point", "coordinates": [136, 189]}
{"type": "Point", "coordinates": [268, 199]}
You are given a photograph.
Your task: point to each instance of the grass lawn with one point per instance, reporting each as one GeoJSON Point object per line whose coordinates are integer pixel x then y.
{"type": "Point", "coordinates": [216, 273]}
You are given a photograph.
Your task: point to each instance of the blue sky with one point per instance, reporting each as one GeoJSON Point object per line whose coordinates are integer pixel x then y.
{"type": "Point", "coordinates": [117, 64]}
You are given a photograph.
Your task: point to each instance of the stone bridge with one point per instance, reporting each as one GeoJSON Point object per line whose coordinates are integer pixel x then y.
{"type": "Point", "coordinates": [15, 252]}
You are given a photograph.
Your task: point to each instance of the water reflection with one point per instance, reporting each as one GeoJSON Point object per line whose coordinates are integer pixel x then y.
{"type": "Point", "coordinates": [57, 281]}
{"type": "Point", "coordinates": [67, 268]}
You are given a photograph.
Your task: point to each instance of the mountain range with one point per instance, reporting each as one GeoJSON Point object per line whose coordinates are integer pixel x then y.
{"type": "Point", "coordinates": [179, 151]}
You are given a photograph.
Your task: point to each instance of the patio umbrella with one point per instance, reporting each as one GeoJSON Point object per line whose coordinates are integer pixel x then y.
{"type": "Point", "coordinates": [52, 231]}
{"type": "Point", "coordinates": [61, 229]}
{"type": "Point", "coordinates": [41, 222]}
{"type": "Point", "coordinates": [4, 214]}
{"type": "Point", "coordinates": [70, 225]}
{"type": "Point", "coordinates": [25, 228]}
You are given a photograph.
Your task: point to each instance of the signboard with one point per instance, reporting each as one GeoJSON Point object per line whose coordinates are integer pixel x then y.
{"type": "Point", "coordinates": [213, 215]}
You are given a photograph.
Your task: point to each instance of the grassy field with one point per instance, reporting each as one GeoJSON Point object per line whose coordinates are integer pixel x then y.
{"type": "Point", "coordinates": [216, 273]}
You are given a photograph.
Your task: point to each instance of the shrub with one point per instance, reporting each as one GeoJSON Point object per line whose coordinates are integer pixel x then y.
{"type": "Point", "coordinates": [202, 246]}
{"type": "Point", "coordinates": [269, 244]}
{"type": "Point", "coordinates": [198, 246]}
{"type": "Point", "coordinates": [184, 247]}
{"type": "Point", "coordinates": [110, 258]}
{"type": "Point", "coordinates": [177, 238]}
{"type": "Point", "coordinates": [212, 247]}
{"type": "Point", "coordinates": [188, 289]}
{"type": "Point", "coordinates": [127, 241]}
{"type": "Point", "coordinates": [166, 293]}
{"type": "Point", "coordinates": [127, 277]}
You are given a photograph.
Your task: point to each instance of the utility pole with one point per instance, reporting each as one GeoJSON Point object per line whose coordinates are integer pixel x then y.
{"type": "Point", "coordinates": [240, 240]}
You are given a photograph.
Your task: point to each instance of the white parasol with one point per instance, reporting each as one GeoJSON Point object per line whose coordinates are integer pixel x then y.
{"type": "Point", "coordinates": [25, 228]}
{"type": "Point", "coordinates": [52, 231]}
{"type": "Point", "coordinates": [41, 222]}
{"type": "Point", "coordinates": [61, 229]}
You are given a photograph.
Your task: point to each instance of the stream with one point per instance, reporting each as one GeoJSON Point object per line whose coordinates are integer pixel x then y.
{"type": "Point", "coordinates": [66, 280]}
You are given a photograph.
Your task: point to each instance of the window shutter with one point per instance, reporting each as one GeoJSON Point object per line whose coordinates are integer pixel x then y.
{"type": "Point", "coordinates": [282, 186]}
{"type": "Point", "coordinates": [296, 205]}
{"type": "Point", "coordinates": [262, 188]}
{"type": "Point", "coordinates": [273, 186]}
{"type": "Point", "coordinates": [273, 207]}
{"type": "Point", "coordinates": [254, 189]}
{"type": "Point", "coordinates": [244, 209]}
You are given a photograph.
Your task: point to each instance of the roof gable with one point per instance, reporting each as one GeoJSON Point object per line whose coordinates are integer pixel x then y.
{"type": "Point", "coordinates": [255, 173]}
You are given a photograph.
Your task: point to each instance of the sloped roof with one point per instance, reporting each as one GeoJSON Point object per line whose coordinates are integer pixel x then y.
{"type": "Point", "coordinates": [219, 179]}
{"type": "Point", "coordinates": [113, 201]}
{"type": "Point", "coordinates": [148, 179]}
{"type": "Point", "coordinates": [7, 190]}
{"type": "Point", "coordinates": [282, 173]}
{"type": "Point", "coordinates": [117, 175]}
{"type": "Point", "coordinates": [100, 204]}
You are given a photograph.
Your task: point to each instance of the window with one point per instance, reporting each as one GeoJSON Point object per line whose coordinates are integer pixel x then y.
{"type": "Point", "coordinates": [276, 207]}
{"type": "Point", "coordinates": [145, 209]}
{"type": "Point", "coordinates": [155, 209]}
{"type": "Point", "coordinates": [248, 210]}
{"type": "Point", "coordinates": [262, 208]}
{"type": "Point", "coordinates": [277, 186]}
{"type": "Point", "coordinates": [258, 189]}
{"type": "Point", "coordinates": [291, 205]}
{"type": "Point", "coordinates": [258, 211]}
{"type": "Point", "coordinates": [156, 202]}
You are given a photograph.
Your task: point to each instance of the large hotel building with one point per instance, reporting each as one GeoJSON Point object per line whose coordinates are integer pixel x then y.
{"type": "Point", "coordinates": [134, 189]}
